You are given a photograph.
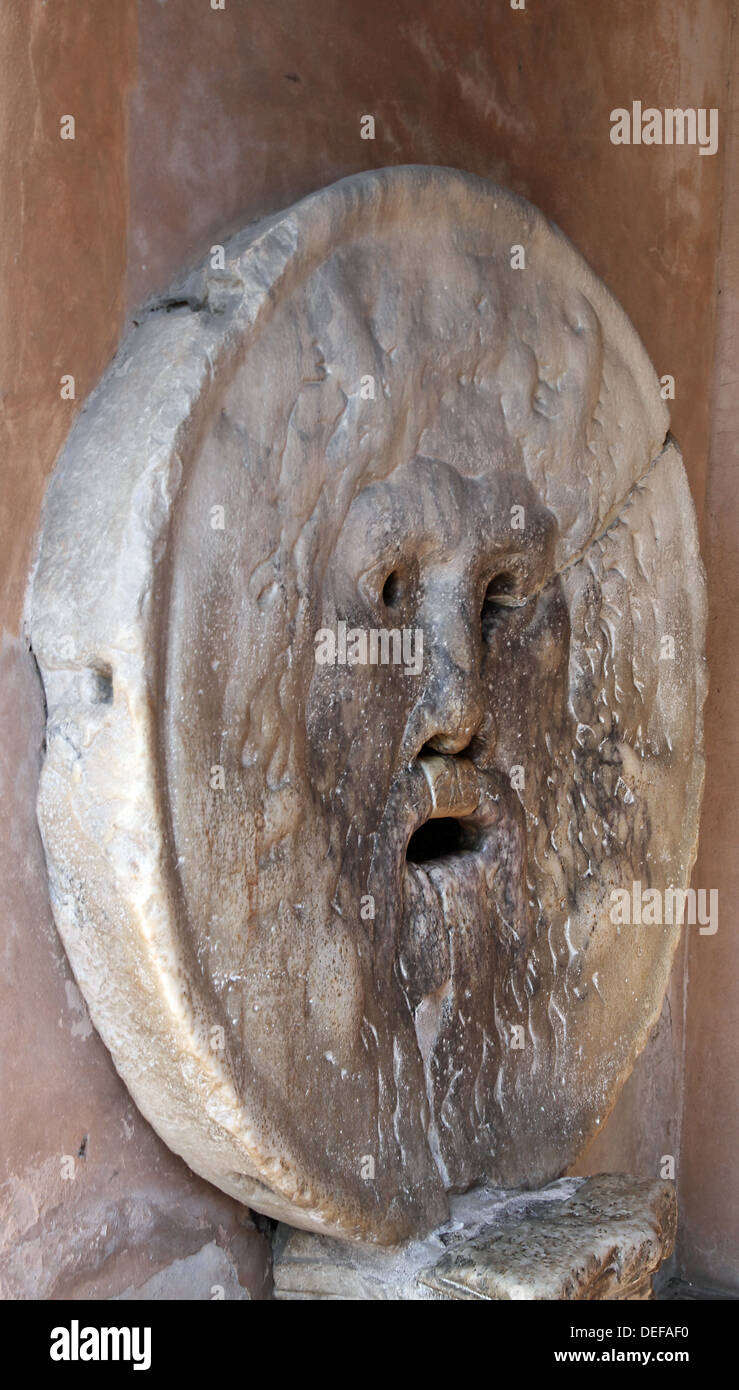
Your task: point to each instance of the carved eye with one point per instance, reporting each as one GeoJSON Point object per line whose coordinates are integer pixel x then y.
{"type": "Point", "coordinates": [499, 597]}
{"type": "Point", "coordinates": [392, 589]}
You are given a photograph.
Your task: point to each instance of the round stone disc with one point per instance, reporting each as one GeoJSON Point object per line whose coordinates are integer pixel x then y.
{"type": "Point", "coordinates": [370, 616]}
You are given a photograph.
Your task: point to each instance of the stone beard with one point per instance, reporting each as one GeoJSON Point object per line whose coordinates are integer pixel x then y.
{"type": "Point", "coordinates": [393, 900]}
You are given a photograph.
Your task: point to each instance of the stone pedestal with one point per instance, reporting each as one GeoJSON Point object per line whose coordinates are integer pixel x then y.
{"type": "Point", "coordinates": [579, 1238]}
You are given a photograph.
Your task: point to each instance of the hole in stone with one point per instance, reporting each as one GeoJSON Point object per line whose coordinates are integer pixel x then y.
{"type": "Point", "coordinates": [392, 589]}
{"type": "Point", "coordinates": [101, 680]}
{"type": "Point", "coordinates": [437, 838]}
{"type": "Point", "coordinates": [169, 306]}
{"type": "Point", "coordinates": [501, 586]}
{"type": "Point", "coordinates": [499, 596]}
{"type": "Point", "coordinates": [431, 750]}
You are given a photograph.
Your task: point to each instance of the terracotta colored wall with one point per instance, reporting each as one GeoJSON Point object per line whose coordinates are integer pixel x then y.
{"type": "Point", "coordinates": [62, 238]}
{"type": "Point", "coordinates": [190, 122]}
{"type": "Point", "coordinates": [709, 1237]}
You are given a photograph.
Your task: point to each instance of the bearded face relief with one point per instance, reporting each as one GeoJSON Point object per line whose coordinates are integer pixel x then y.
{"type": "Point", "coordinates": [397, 607]}
{"type": "Point", "coordinates": [404, 759]}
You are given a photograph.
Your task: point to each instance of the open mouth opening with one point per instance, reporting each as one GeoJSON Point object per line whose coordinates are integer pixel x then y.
{"type": "Point", "coordinates": [439, 838]}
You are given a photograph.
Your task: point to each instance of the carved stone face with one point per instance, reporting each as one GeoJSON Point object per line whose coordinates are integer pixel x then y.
{"type": "Point", "coordinates": [345, 921]}
{"type": "Point", "coordinates": [404, 760]}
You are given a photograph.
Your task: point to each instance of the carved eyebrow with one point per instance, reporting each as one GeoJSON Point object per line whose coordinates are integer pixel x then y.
{"type": "Point", "coordinates": [390, 510]}
{"type": "Point", "coordinates": [376, 525]}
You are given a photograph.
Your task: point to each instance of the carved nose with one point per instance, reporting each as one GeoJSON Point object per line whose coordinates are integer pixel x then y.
{"type": "Point", "coordinates": [452, 712]}
{"type": "Point", "coordinates": [451, 709]}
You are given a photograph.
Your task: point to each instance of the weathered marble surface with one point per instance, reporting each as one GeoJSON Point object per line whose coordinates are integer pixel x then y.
{"type": "Point", "coordinates": [599, 1238]}
{"type": "Point", "coordinates": [218, 810]}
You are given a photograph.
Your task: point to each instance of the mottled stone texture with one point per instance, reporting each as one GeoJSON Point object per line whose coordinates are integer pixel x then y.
{"type": "Point", "coordinates": [269, 100]}
{"type": "Point", "coordinates": [598, 1239]}
{"type": "Point", "coordinates": [604, 1243]}
{"type": "Point", "coordinates": [216, 804]}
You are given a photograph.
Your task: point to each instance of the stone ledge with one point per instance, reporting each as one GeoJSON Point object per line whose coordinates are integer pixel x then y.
{"type": "Point", "coordinates": [600, 1238]}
